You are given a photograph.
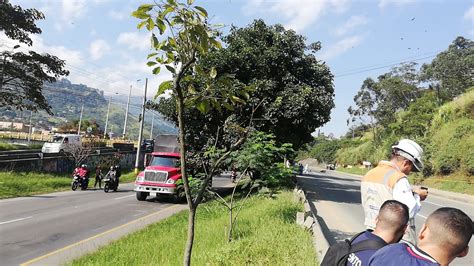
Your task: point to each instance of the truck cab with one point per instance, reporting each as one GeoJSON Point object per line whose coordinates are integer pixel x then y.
{"type": "Point", "coordinates": [162, 174]}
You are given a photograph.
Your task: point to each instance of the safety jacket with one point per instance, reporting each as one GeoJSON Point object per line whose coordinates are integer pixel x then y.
{"type": "Point", "coordinates": [376, 188]}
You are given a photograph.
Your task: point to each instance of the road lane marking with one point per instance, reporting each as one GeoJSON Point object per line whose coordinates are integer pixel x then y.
{"type": "Point", "coordinates": [128, 196]}
{"type": "Point", "coordinates": [93, 237]}
{"type": "Point", "coordinates": [422, 216]}
{"type": "Point", "coordinates": [429, 202]}
{"type": "Point", "coordinates": [16, 220]}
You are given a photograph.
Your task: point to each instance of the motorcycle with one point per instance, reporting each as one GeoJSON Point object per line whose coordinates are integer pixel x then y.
{"type": "Point", "coordinates": [110, 182]}
{"type": "Point", "coordinates": [78, 181]}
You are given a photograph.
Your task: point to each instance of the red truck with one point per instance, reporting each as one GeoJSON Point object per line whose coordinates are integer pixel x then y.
{"type": "Point", "coordinates": [162, 174]}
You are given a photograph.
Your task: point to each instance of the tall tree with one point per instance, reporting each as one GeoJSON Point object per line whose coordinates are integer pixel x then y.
{"type": "Point", "coordinates": [23, 73]}
{"type": "Point", "coordinates": [188, 38]}
{"type": "Point", "coordinates": [451, 71]}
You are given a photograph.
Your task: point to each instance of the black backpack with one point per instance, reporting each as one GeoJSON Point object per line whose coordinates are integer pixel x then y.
{"type": "Point", "coordinates": [338, 253]}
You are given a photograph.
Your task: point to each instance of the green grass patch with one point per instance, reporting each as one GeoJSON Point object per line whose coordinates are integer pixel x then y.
{"type": "Point", "coordinates": [353, 170]}
{"type": "Point", "coordinates": [457, 182]}
{"type": "Point", "coordinates": [128, 177]}
{"type": "Point", "coordinates": [266, 234]}
{"type": "Point", "coordinates": [8, 146]}
{"type": "Point", "coordinates": [17, 184]}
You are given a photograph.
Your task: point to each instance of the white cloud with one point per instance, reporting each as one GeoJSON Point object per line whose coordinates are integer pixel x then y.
{"type": "Point", "coordinates": [385, 3]}
{"type": "Point", "coordinates": [469, 15]}
{"type": "Point", "coordinates": [341, 46]}
{"type": "Point", "coordinates": [98, 48]}
{"type": "Point", "coordinates": [72, 9]}
{"type": "Point", "coordinates": [72, 57]}
{"type": "Point", "coordinates": [351, 23]}
{"type": "Point", "coordinates": [119, 15]}
{"type": "Point", "coordinates": [300, 13]}
{"type": "Point", "coordinates": [134, 40]}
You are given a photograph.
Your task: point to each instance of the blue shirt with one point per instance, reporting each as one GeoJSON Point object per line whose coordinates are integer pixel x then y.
{"type": "Point", "coordinates": [361, 258]}
{"type": "Point", "coordinates": [401, 254]}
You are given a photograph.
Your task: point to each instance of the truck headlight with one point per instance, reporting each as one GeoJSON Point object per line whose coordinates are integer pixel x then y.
{"type": "Point", "coordinates": [170, 181]}
{"type": "Point", "coordinates": [140, 178]}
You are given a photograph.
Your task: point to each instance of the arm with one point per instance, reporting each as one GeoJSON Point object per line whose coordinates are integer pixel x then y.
{"type": "Point", "coordinates": [403, 193]}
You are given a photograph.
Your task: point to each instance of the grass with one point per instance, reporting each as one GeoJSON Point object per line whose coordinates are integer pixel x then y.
{"type": "Point", "coordinates": [353, 170]}
{"type": "Point", "coordinates": [458, 182]}
{"type": "Point", "coordinates": [8, 146]}
{"type": "Point", "coordinates": [266, 235]}
{"type": "Point", "coordinates": [128, 177]}
{"type": "Point", "coordinates": [18, 184]}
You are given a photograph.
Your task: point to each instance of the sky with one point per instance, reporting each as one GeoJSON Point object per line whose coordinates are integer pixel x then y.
{"type": "Point", "coordinates": [103, 49]}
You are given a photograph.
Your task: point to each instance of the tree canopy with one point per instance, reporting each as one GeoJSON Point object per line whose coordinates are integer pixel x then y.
{"type": "Point", "coordinates": [23, 72]}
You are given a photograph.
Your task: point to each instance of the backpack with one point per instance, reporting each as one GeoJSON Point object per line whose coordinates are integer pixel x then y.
{"type": "Point", "coordinates": [338, 253]}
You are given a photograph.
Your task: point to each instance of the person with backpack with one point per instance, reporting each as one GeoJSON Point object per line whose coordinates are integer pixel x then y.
{"type": "Point", "coordinates": [391, 224]}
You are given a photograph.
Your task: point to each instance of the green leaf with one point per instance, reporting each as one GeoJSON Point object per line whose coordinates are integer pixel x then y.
{"type": "Point", "coordinates": [141, 24]}
{"type": "Point", "coordinates": [228, 106]}
{"type": "Point", "coordinates": [145, 7]}
{"type": "Point", "coordinates": [172, 41]}
{"type": "Point", "coordinates": [164, 86]}
{"type": "Point", "coordinates": [161, 25]}
{"type": "Point", "coordinates": [156, 70]}
{"type": "Point", "coordinates": [170, 69]}
{"type": "Point", "coordinates": [150, 25]}
{"type": "Point", "coordinates": [237, 99]}
{"type": "Point", "coordinates": [151, 63]}
{"type": "Point", "coordinates": [203, 106]}
{"type": "Point", "coordinates": [154, 41]}
{"type": "Point", "coordinates": [216, 43]}
{"type": "Point", "coordinates": [213, 73]}
{"type": "Point", "coordinates": [190, 2]}
{"type": "Point", "coordinates": [167, 11]}
{"type": "Point", "coordinates": [140, 14]}
{"type": "Point", "coordinates": [202, 11]}
{"type": "Point", "coordinates": [151, 55]}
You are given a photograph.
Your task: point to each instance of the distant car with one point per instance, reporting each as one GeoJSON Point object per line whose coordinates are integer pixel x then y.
{"type": "Point", "coordinates": [61, 143]}
{"type": "Point", "coordinates": [331, 166]}
{"type": "Point", "coordinates": [148, 145]}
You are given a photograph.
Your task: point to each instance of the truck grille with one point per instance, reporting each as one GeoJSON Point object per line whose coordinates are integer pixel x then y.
{"type": "Point", "coordinates": [155, 176]}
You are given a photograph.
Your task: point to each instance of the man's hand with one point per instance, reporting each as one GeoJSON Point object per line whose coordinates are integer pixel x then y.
{"type": "Point", "coordinates": [422, 191]}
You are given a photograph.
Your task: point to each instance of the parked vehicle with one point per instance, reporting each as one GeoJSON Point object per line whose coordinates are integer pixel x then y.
{"type": "Point", "coordinates": [111, 180]}
{"type": "Point", "coordinates": [62, 143]}
{"type": "Point", "coordinates": [331, 166]}
{"type": "Point", "coordinates": [162, 173]}
{"type": "Point", "coordinates": [148, 145]}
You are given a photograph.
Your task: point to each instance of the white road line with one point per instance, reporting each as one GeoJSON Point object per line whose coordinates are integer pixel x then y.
{"type": "Point", "coordinates": [429, 202]}
{"type": "Point", "coordinates": [16, 220]}
{"type": "Point", "coordinates": [128, 196]}
{"type": "Point", "coordinates": [422, 216]}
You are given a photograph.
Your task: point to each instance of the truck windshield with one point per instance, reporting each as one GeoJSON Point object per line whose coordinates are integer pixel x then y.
{"type": "Point", "coordinates": [164, 161]}
{"type": "Point", "coordinates": [57, 139]}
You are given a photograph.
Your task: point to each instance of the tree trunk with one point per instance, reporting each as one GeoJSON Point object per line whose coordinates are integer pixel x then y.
{"type": "Point", "coordinates": [192, 210]}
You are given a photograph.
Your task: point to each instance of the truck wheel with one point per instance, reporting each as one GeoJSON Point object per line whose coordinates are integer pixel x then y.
{"type": "Point", "coordinates": [179, 197]}
{"type": "Point", "coordinates": [141, 196]}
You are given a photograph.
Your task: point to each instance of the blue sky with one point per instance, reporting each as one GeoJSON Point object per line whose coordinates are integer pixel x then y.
{"type": "Point", "coordinates": [103, 49]}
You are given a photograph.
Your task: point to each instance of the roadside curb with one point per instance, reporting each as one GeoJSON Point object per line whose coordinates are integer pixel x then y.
{"type": "Point", "coordinates": [320, 242]}
{"type": "Point", "coordinates": [91, 244]}
{"type": "Point", "coordinates": [435, 192]}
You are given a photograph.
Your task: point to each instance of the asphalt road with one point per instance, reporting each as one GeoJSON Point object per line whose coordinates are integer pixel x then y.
{"type": "Point", "coordinates": [33, 226]}
{"type": "Point", "coordinates": [336, 197]}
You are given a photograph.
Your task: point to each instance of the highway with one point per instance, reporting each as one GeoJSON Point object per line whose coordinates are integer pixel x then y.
{"type": "Point", "coordinates": [336, 197]}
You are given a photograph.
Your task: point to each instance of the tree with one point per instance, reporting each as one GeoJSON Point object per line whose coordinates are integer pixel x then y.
{"type": "Point", "coordinates": [23, 73]}
{"type": "Point", "coordinates": [294, 89]}
{"type": "Point", "coordinates": [188, 38]}
{"type": "Point", "coordinates": [452, 70]}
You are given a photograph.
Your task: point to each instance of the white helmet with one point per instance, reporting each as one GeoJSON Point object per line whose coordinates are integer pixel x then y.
{"type": "Point", "coordinates": [411, 151]}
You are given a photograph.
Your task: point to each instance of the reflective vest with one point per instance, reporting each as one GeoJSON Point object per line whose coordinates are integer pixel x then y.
{"type": "Point", "coordinates": [376, 188]}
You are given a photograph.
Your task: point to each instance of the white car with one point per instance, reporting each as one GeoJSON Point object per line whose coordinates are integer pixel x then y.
{"type": "Point", "coordinates": [62, 143]}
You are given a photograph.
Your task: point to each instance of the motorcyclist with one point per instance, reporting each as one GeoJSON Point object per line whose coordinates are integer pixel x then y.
{"type": "Point", "coordinates": [83, 173]}
{"type": "Point", "coordinates": [233, 174]}
{"type": "Point", "coordinates": [118, 173]}
{"type": "Point", "coordinates": [113, 176]}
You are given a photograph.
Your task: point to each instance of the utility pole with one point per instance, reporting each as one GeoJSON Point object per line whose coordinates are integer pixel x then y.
{"type": "Point", "coordinates": [126, 114]}
{"type": "Point", "coordinates": [30, 129]}
{"type": "Point", "coordinates": [152, 122]}
{"type": "Point", "coordinates": [80, 118]}
{"type": "Point", "coordinates": [107, 117]}
{"type": "Point", "coordinates": [140, 136]}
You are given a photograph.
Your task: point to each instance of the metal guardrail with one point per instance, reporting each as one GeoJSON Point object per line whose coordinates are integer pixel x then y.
{"type": "Point", "coordinates": [30, 155]}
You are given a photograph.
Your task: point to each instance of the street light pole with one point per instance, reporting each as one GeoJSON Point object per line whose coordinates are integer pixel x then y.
{"type": "Point", "coordinates": [80, 118]}
{"type": "Point", "coordinates": [107, 117]}
{"type": "Point", "coordinates": [140, 136]}
{"type": "Point", "coordinates": [152, 122]}
{"type": "Point", "coordinates": [30, 129]}
{"type": "Point", "coordinates": [126, 114]}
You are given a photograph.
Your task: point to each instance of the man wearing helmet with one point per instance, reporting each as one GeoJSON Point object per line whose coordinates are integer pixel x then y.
{"type": "Point", "coordinates": [389, 181]}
